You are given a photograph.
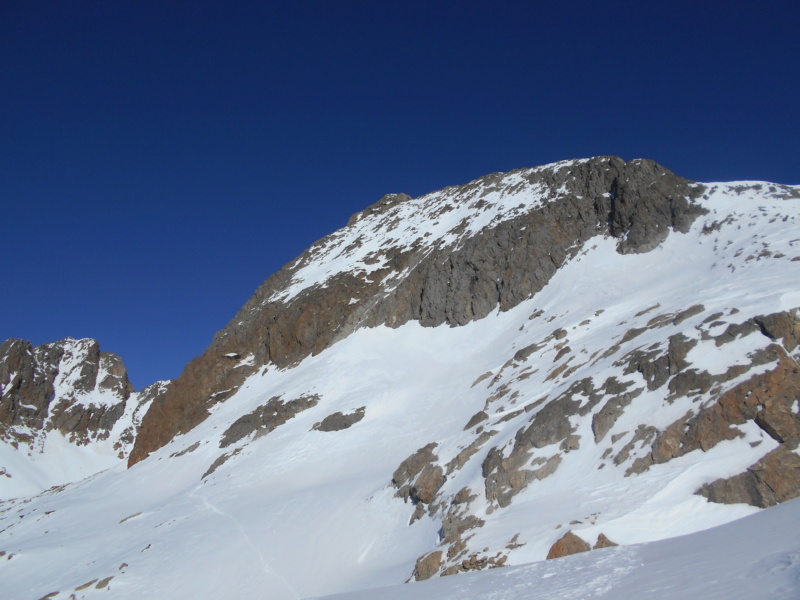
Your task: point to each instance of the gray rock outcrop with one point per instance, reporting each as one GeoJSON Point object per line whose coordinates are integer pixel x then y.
{"type": "Point", "coordinates": [339, 421]}
{"type": "Point", "coordinates": [266, 418]}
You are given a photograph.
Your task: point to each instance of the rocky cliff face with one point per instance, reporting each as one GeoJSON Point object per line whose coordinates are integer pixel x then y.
{"type": "Point", "coordinates": [448, 257]}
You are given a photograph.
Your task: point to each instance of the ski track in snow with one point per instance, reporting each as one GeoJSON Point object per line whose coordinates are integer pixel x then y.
{"type": "Point", "coordinates": [265, 566]}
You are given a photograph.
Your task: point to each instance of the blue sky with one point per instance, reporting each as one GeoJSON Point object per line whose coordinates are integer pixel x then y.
{"type": "Point", "coordinates": [159, 160]}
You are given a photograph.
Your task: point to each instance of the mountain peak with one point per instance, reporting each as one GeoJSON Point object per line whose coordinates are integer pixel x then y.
{"type": "Point", "coordinates": [450, 256]}
{"type": "Point", "coordinates": [68, 394]}
{"type": "Point", "coordinates": [531, 364]}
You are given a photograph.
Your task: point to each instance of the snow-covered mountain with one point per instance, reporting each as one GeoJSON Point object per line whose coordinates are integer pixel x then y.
{"type": "Point", "coordinates": [67, 411]}
{"type": "Point", "coordinates": [536, 363]}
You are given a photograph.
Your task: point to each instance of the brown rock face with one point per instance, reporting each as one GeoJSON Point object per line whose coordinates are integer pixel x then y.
{"type": "Point", "coordinates": [773, 479]}
{"type": "Point", "coordinates": [26, 389]}
{"type": "Point", "coordinates": [766, 399]}
{"type": "Point", "coordinates": [411, 468]}
{"type": "Point", "coordinates": [603, 542]}
{"type": "Point", "coordinates": [419, 479]}
{"type": "Point", "coordinates": [428, 565]}
{"type": "Point", "coordinates": [566, 545]}
{"type": "Point", "coordinates": [638, 202]}
{"type": "Point", "coordinates": [782, 326]}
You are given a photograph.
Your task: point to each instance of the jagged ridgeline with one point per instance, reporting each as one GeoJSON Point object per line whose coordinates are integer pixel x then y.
{"type": "Point", "coordinates": [70, 387]}
{"type": "Point", "coordinates": [445, 258]}
{"type": "Point", "coordinates": [67, 406]}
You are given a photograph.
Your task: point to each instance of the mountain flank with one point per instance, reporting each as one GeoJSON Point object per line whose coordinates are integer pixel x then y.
{"type": "Point", "coordinates": [451, 280]}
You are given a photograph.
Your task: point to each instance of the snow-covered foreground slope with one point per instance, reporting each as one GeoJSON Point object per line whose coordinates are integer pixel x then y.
{"type": "Point", "coordinates": [755, 558]}
{"type": "Point", "coordinates": [600, 405]}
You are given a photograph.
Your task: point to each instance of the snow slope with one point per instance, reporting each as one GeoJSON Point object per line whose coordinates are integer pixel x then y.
{"type": "Point", "coordinates": [296, 512]}
{"type": "Point", "coordinates": [754, 558]}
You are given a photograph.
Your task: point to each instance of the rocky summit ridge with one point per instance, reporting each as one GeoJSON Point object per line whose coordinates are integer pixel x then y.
{"type": "Point", "coordinates": [554, 360]}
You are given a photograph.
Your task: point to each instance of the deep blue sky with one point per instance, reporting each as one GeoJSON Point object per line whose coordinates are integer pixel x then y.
{"type": "Point", "coordinates": [159, 159]}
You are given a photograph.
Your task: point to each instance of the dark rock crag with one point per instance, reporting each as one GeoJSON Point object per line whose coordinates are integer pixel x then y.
{"type": "Point", "coordinates": [41, 388]}
{"type": "Point", "coordinates": [266, 418]}
{"type": "Point", "coordinates": [638, 202]}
